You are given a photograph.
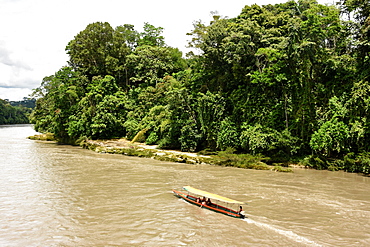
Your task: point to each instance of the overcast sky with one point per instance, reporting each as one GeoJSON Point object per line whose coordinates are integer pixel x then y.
{"type": "Point", "coordinates": [34, 33]}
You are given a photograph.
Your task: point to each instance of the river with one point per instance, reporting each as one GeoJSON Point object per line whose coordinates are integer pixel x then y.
{"type": "Point", "coordinates": [58, 195]}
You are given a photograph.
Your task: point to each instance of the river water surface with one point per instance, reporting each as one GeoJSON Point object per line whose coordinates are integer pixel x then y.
{"type": "Point", "coordinates": [57, 195]}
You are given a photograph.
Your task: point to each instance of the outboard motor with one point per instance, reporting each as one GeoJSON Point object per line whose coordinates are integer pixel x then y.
{"type": "Point", "coordinates": [242, 214]}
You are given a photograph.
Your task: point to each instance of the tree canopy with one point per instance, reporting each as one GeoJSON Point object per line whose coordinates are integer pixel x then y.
{"type": "Point", "coordinates": [15, 112]}
{"type": "Point", "coordinates": [281, 80]}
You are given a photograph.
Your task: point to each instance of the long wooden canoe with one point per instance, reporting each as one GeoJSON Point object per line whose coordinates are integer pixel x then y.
{"type": "Point", "coordinates": [195, 199]}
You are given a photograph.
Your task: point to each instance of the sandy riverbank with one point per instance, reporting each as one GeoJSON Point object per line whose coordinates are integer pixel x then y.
{"type": "Point", "coordinates": [123, 146]}
{"type": "Point", "coordinates": [126, 147]}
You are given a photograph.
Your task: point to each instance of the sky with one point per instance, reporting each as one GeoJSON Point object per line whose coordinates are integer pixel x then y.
{"type": "Point", "coordinates": [34, 33]}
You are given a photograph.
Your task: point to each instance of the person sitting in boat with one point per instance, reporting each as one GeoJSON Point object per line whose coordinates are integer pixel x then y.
{"type": "Point", "coordinates": [241, 212]}
{"type": "Point", "coordinates": [199, 200]}
{"type": "Point", "coordinates": [204, 200]}
{"type": "Point", "coordinates": [209, 203]}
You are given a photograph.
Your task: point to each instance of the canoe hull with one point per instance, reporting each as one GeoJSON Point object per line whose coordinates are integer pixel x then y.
{"type": "Point", "coordinates": [214, 207]}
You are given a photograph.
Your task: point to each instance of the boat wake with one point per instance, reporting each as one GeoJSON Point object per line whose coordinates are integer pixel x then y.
{"type": "Point", "coordinates": [289, 234]}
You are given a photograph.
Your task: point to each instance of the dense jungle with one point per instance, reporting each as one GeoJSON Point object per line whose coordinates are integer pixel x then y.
{"type": "Point", "coordinates": [16, 112]}
{"type": "Point", "coordinates": [288, 82]}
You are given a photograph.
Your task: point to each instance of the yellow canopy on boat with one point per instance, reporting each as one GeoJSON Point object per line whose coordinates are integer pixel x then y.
{"type": "Point", "coordinates": [210, 195]}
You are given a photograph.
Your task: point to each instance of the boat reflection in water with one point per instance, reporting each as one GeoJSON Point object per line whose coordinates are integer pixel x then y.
{"type": "Point", "coordinates": [193, 195]}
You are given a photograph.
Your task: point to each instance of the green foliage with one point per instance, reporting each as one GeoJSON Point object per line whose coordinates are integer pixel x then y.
{"type": "Point", "coordinates": [90, 49]}
{"type": "Point", "coordinates": [126, 34]}
{"type": "Point", "coordinates": [43, 137]}
{"type": "Point", "coordinates": [101, 112]}
{"type": "Point", "coordinates": [228, 158]}
{"type": "Point", "coordinates": [210, 111]}
{"type": "Point", "coordinates": [57, 100]}
{"type": "Point", "coordinates": [360, 9]}
{"type": "Point", "coordinates": [351, 162]}
{"type": "Point", "coordinates": [152, 138]}
{"type": "Point", "coordinates": [228, 136]}
{"type": "Point", "coordinates": [364, 159]}
{"type": "Point", "coordinates": [331, 137]}
{"type": "Point", "coordinates": [26, 102]}
{"type": "Point", "coordinates": [149, 64]}
{"type": "Point", "coordinates": [316, 162]}
{"type": "Point", "coordinates": [190, 137]}
{"type": "Point", "coordinates": [259, 139]}
{"type": "Point", "coordinates": [281, 80]}
{"type": "Point", "coordinates": [357, 162]}
{"type": "Point", "coordinates": [13, 114]}
{"type": "Point", "coordinates": [281, 169]}
{"type": "Point", "coordinates": [151, 36]}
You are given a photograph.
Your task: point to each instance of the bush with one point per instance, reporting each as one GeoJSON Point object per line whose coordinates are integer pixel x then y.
{"type": "Point", "coordinates": [315, 162]}
{"type": "Point", "coordinates": [357, 163]}
{"type": "Point", "coordinates": [152, 138]}
{"type": "Point", "coordinates": [189, 137]}
{"type": "Point", "coordinates": [259, 139]}
{"type": "Point", "coordinates": [336, 165]}
{"type": "Point", "coordinates": [43, 137]}
{"type": "Point", "coordinates": [281, 169]}
{"type": "Point", "coordinates": [228, 136]}
{"type": "Point", "coordinates": [330, 137]}
{"type": "Point", "coordinates": [350, 163]}
{"type": "Point", "coordinates": [228, 158]}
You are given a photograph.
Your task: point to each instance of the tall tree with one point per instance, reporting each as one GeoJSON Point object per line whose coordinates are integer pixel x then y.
{"type": "Point", "coordinates": [57, 100]}
{"type": "Point", "coordinates": [151, 36]}
{"type": "Point", "coordinates": [149, 64]}
{"type": "Point", "coordinates": [100, 50]}
{"type": "Point", "coordinates": [360, 9]}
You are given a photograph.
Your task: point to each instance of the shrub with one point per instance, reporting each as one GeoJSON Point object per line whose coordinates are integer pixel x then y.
{"type": "Point", "coordinates": [357, 163]}
{"type": "Point", "coordinates": [228, 158]}
{"type": "Point", "coordinates": [314, 161]}
{"type": "Point", "coordinates": [228, 136]}
{"type": "Point", "coordinates": [330, 137]}
{"type": "Point", "coordinates": [259, 139]}
{"type": "Point", "coordinates": [189, 137]}
{"type": "Point", "coordinates": [152, 138]}
{"type": "Point", "coordinates": [281, 169]}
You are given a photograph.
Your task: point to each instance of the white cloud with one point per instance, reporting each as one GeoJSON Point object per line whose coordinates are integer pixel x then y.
{"type": "Point", "coordinates": [14, 94]}
{"type": "Point", "coordinates": [5, 58]}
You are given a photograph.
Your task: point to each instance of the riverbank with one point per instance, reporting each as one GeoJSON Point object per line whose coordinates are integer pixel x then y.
{"type": "Point", "coordinates": [125, 147]}
{"type": "Point", "coordinates": [350, 163]}
{"type": "Point", "coordinates": [129, 148]}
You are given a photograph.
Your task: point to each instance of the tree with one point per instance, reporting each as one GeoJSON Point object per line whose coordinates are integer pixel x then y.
{"type": "Point", "coordinates": [360, 9]}
{"type": "Point", "coordinates": [228, 137]}
{"type": "Point", "coordinates": [149, 64]}
{"type": "Point", "coordinates": [331, 137]}
{"type": "Point", "coordinates": [210, 113]}
{"type": "Point", "coordinates": [90, 48]}
{"type": "Point", "coordinates": [13, 114]}
{"type": "Point", "coordinates": [127, 34]}
{"type": "Point", "coordinates": [151, 36]}
{"type": "Point", "coordinates": [57, 100]}
{"type": "Point", "coordinates": [100, 50]}
{"type": "Point", "coordinates": [277, 79]}
{"type": "Point", "coordinates": [101, 113]}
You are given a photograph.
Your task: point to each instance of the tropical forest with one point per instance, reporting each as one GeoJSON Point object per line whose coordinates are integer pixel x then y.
{"type": "Point", "coordinates": [16, 112]}
{"type": "Point", "coordinates": [288, 83]}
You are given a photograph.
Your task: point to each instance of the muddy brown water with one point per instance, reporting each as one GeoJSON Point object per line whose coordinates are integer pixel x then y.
{"type": "Point", "coordinates": [57, 195]}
